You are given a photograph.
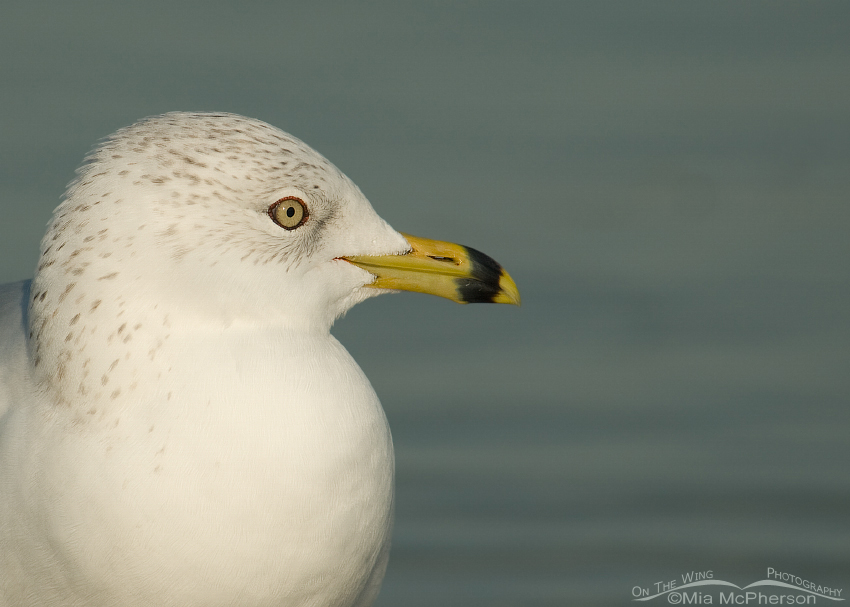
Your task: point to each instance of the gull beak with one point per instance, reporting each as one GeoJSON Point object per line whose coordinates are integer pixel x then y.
{"type": "Point", "coordinates": [445, 269]}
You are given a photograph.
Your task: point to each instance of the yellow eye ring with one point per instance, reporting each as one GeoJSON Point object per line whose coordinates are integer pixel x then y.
{"type": "Point", "coordinates": [289, 213]}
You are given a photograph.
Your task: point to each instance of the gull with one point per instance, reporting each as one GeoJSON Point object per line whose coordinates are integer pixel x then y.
{"type": "Point", "coordinates": [178, 427]}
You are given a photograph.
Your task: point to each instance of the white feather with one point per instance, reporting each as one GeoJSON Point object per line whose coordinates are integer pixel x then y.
{"type": "Point", "coordinates": [178, 425]}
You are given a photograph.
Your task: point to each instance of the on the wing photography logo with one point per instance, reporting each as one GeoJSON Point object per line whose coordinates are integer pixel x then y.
{"type": "Point", "coordinates": [702, 588]}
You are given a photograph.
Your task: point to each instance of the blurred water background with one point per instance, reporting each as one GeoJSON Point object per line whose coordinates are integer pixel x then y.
{"type": "Point", "coordinates": [666, 181]}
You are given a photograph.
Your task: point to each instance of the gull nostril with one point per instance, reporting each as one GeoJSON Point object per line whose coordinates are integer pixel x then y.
{"type": "Point", "coordinates": [446, 259]}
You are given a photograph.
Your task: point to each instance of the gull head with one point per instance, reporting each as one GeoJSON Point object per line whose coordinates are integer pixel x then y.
{"type": "Point", "coordinates": [213, 220]}
{"type": "Point", "coordinates": [225, 217]}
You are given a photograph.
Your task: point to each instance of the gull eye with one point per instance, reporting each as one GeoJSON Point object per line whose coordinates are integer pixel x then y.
{"type": "Point", "coordinates": [289, 213]}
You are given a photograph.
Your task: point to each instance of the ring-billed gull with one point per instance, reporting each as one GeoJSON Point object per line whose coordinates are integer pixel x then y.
{"type": "Point", "coordinates": [177, 425]}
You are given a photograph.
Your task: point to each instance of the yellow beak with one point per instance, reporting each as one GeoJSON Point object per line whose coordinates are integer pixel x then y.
{"type": "Point", "coordinates": [449, 270]}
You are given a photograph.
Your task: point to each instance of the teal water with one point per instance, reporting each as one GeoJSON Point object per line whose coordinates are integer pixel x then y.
{"type": "Point", "coordinates": [667, 182]}
{"type": "Point", "coordinates": [603, 440]}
